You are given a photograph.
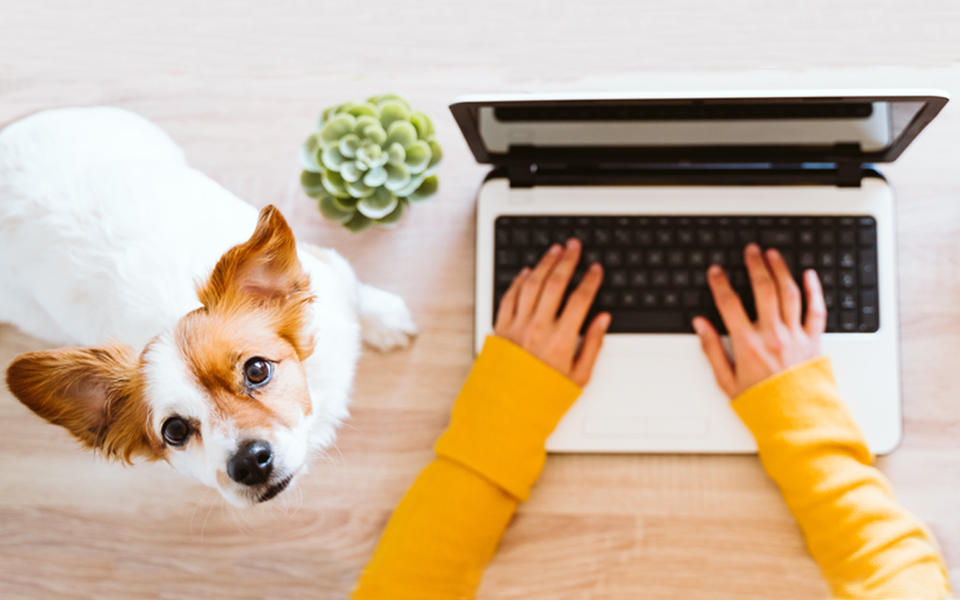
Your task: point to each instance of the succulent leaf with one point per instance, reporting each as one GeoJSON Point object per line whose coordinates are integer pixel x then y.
{"type": "Point", "coordinates": [331, 158]}
{"type": "Point", "coordinates": [426, 189]}
{"type": "Point", "coordinates": [423, 124]}
{"type": "Point", "coordinates": [411, 186]}
{"type": "Point", "coordinates": [375, 177]}
{"type": "Point", "coordinates": [418, 156]}
{"type": "Point", "coordinates": [348, 145]}
{"type": "Point", "coordinates": [379, 205]}
{"type": "Point", "coordinates": [391, 219]}
{"type": "Point", "coordinates": [357, 222]}
{"type": "Point", "coordinates": [330, 210]}
{"type": "Point", "coordinates": [398, 176]}
{"type": "Point", "coordinates": [312, 184]}
{"type": "Point", "coordinates": [396, 154]}
{"type": "Point", "coordinates": [308, 154]}
{"type": "Point", "coordinates": [357, 189]}
{"type": "Point", "coordinates": [350, 171]}
{"type": "Point", "coordinates": [338, 126]}
{"type": "Point", "coordinates": [436, 153]}
{"type": "Point", "coordinates": [401, 132]}
{"type": "Point", "coordinates": [334, 184]}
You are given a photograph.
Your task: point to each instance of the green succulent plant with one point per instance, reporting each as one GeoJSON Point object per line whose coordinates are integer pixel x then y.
{"type": "Point", "coordinates": [368, 161]}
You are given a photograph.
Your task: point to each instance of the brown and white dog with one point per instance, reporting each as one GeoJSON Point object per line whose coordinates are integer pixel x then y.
{"type": "Point", "coordinates": [201, 333]}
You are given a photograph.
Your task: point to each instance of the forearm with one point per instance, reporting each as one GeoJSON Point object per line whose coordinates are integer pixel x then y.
{"type": "Point", "coordinates": [448, 525]}
{"type": "Point", "coordinates": [435, 546]}
{"type": "Point", "coordinates": [865, 543]}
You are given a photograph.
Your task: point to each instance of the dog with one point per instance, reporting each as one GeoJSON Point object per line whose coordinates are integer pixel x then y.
{"type": "Point", "coordinates": [200, 332]}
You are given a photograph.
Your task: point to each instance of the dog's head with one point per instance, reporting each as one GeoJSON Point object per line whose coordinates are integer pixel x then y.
{"type": "Point", "coordinates": [222, 396]}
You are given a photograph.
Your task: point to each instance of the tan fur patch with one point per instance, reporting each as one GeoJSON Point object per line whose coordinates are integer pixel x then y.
{"type": "Point", "coordinates": [255, 303]}
{"type": "Point", "coordinates": [95, 393]}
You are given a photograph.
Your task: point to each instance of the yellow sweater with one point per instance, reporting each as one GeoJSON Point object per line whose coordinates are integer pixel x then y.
{"type": "Point", "coordinates": [447, 527]}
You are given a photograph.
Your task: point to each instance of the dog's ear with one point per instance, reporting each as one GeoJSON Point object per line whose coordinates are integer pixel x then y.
{"type": "Point", "coordinates": [265, 267]}
{"type": "Point", "coordinates": [94, 393]}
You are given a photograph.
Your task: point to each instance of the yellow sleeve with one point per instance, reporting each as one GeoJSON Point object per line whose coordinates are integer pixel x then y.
{"type": "Point", "coordinates": [448, 525]}
{"type": "Point", "coordinates": [865, 543]}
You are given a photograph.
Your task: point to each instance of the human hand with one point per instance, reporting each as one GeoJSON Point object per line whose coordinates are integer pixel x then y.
{"type": "Point", "coordinates": [528, 313]}
{"type": "Point", "coordinates": [778, 340]}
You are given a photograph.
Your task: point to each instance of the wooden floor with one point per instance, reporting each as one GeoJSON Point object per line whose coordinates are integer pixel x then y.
{"type": "Point", "coordinates": [238, 84]}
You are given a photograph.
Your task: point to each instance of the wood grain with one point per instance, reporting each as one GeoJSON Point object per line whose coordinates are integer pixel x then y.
{"type": "Point", "coordinates": [239, 84]}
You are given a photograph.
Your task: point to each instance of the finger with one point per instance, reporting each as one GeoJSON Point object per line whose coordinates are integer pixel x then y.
{"type": "Point", "coordinates": [716, 355]}
{"type": "Point", "coordinates": [790, 302]}
{"type": "Point", "coordinates": [508, 304]}
{"type": "Point", "coordinates": [761, 282]}
{"type": "Point", "coordinates": [580, 301]}
{"type": "Point", "coordinates": [530, 292]}
{"type": "Point", "coordinates": [728, 303]}
{"type": "Point", "coordinates": [557, 282]}
{"type": "Point", "coordinates": [816, 322]}
{"type": "Point", "coordinates": [590, 349]}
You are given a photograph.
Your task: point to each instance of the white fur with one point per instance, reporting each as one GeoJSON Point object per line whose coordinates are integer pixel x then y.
{"type": "Point", "coordinates": [105, 230]}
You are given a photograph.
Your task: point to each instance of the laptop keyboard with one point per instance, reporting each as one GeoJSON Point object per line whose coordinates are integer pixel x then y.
{"type": "Point", "coordinates": [655, 267]}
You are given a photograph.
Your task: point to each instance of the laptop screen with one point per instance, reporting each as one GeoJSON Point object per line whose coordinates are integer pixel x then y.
{"type": "Point", "coordinates": [809, 127]}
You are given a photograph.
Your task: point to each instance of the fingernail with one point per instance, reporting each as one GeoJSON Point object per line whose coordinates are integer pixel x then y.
{"type": "Point", "coordinates": [595, 268]}
{"type": "Point", "coordinates": [752, 248]}
{"type": "Point", "coordinates": [714, 271]}
{"type": "Point", "coordinates": [773, 253]}
{"type": "Point", "coordinates": [697, 325]}
{"type": "Point", "coordinates": [524, 270]}
{"type": "Point", "coordinates": [554, 249]}
{"type": "Point", "coordinates": [573, 243]}
{"type": "Point", "coordinates": [605, 320]}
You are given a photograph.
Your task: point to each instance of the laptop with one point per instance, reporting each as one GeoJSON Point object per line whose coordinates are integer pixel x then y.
{"type": "Point", "coordinates": [660, 186]}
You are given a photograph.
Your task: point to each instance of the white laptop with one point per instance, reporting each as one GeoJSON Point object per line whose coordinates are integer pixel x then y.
{"type": "Point", "coordinates": [658, 187]}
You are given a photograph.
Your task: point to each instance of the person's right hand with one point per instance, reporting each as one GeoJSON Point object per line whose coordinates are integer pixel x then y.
{"type": "Point", "coordinates": [528, 313]}
{"type": "Point", "coordinates": [778, 340]}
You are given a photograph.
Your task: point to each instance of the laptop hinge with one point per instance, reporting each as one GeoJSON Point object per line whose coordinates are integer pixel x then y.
{"type": "Point", "coordinates": [849, 167]}
{"type": "Point", "coordinates": [520, 167]}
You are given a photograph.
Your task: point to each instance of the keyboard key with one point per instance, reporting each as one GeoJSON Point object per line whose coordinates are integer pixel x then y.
{"type": "Point", "coordinates": [868, 268]}
{"type": "Point", "coordinates": [660, 278]}
{"type": "Point", "coordinates": [507, 258]}
{"type": "Point", "coordinates": [848, 320]}
{"type": "Point", "coordinates": [776, 238]}
{"type": "Point", "coordinates": [629, 299]}
{"type": "Point", "coordinates": [618, 278]}
{"type": "Point", "coordinates": [847, 279]}
{"type": "Point", "coordinates": [807, 237]}
{"type": "Point", "coordinates": [639, 279]}
{"type": "Point", "coordinates": [634, 258]}
{"type": "Point", "coordinates": [848, 258]}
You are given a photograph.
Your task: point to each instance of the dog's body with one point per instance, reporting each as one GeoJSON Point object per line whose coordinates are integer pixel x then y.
{"type": "Point", "coordinates": [107, 234]}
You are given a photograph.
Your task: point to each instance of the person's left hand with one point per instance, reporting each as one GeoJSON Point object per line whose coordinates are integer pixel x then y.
{"type": "Point", "coordinates": [528, 313]}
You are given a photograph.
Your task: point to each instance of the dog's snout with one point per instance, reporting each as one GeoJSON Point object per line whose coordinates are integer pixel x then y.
{"type": "Point", "coordinates": [252, 463]}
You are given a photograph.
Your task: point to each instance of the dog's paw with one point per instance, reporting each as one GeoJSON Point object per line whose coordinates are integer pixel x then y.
{"type": "Point", "coordinates": [385, 321]}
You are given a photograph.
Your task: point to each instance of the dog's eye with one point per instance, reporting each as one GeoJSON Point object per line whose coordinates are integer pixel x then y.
{"type": "Point", "coordinates": [257, 371]}
{"type": "Point", "coordinates": [175, 431]}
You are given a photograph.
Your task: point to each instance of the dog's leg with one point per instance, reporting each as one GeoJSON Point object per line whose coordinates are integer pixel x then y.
{"type": "Point", "coordinates": [385, 321]}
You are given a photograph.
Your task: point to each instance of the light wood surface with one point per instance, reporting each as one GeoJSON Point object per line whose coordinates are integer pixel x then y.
{"type": "Point", "coordinates": [238, 84]}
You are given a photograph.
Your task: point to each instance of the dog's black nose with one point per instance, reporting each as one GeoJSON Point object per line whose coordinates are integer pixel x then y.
{"type": "Point", "coordinates": [252, 463]}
